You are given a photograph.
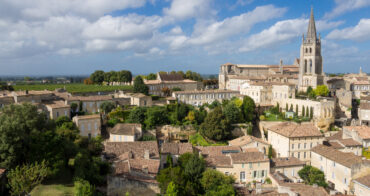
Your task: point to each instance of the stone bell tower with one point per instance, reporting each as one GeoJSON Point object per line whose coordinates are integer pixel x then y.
{"type": "Point", "coordinates": [310, 63]}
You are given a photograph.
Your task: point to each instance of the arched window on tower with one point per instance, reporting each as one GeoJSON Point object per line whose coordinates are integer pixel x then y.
{"type": "Point", "coordinates": [305, 66]}
{"type": "Point", "coordinates": [306, 50]}
{"type": "Point", "coordinates": [310, 50]}
{"type": "Point", "coordinates": [310, 65]}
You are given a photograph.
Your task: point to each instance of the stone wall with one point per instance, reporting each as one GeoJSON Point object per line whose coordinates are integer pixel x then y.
{"type": "Point", "coordinates": [118, 186]}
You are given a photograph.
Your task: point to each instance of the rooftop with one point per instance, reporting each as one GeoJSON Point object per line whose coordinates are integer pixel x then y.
{"type": "Point", "coordinates": [248, 157]}
{"type": "Point", "coordinates": [245, 140]}
{"type": "Point", "coordinates": [138, 148]}
{"type": "Point", "coordinates": [344, 158]}
{"type": "Point", "coordinates": [125, 128]}
{"type": "Point", "coordinates": [364, 106]}
{"type": "Point", "coordinates": [286, 162]}
{"type": "Point", "coordinates": [170, 76]}
{"type": "Point", "coordinates": [56, 104]}
{"type": "Point", "coordinates": [290, 130]}
{"type": "Point", "coordinates": [206, 91]}
{"type": "Point", "coordinates": [218, 161]}
{"type": "Point", "coordinates": [363, 131]}
{"type": "Point", "coordinates": [84, 117]}
{"type": "Point", "coordinates": [218, 150]}
{"type": "Point", "coordinates": [365, 180]}
{"type": "Point", "coordinates": [176, 148]}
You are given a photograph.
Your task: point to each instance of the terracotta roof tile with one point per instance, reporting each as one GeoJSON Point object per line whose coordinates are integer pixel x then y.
{"type": "Point", "coordinates": [365, 180]}
{"type": "Point", "coordinates": [365, 106]}
{"type": "Point", "coordinates": [363, 131]}
{"type": "Point", "coordinates": [245, 140]}
{"type": "Point", "coordinates": [335, 136]}
{"type": "Point", "coordinates": [170, 77]}
{"type": "Point", "coordinates": [286, 161]}
{"type": "Point", "coordinates": [344, 158]}
{"type": "Point", "coordinates": [289, 129]}
{"type": "Point", "coordinates": [115, 149]}
{"type": "Point", "coordinates": [218, 150]}
{"type": "Point", "coordinates": [218, 161]}
{"type": "Point", "coordinates": [248, 157]}
{"type": "Point", "coordinates": [125, 128]}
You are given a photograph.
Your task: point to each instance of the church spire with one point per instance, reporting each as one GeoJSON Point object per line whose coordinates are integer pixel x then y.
{"type": "Point", "coordinates": [311, 32]}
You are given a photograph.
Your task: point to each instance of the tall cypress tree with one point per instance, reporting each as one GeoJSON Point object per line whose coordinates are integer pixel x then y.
{"type": "Point", "coordinates": [303, 111]}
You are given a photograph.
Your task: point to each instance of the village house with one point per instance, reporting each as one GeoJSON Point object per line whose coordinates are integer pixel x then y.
{"type": "Point", "coordinates": [125, 132]}
{"type": "Point", "coordinates": [364, 111]}
{"type": "Point", "coordinates": [336, 141]}
{"type": "Point", "coordinates": [57, 108]}
{"type": "Point", "coordinates": [137, 99]}
{"type": "Point", "coordinates": [89, 125]}
{"type": "Point", "coordinates": [339, 167]}
{"type": "Point", "coordinates": [170, 81]}
{"type": "Point", "coordinates": [32, 96]}
{"type": "Point", "coordinates": [248, 141]}
{"type": "Point", "coordinates": [174, 150]}
{"type": "Point", "coordinates": [230, 160]}
{"type": "Point", "coordinates": [198, 98]}
{"type": "Point", "coordinates": [169, 133]}
{"type": "Point", "coordinates": [90, 104]}
{"type": "Point", "coordinates": [288, 166]}
{"type": "Point", "coordinates": [6, 100]}
{"type": "Point", "coordinates": [135, 167]}
{"type": "Point", "coordinates": [360, 134]}
{"type": "Point", "coordinates": [294, 140]}
{"type": "Point", "coordinates": [361, 186]}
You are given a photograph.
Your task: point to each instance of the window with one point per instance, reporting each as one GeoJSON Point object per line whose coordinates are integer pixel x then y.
{"type": "Point", "coordinates": [242, 165]}
{"type": "Point", "coordinates": [299, 145]}
{"type": "Point", "coordinates": [89, 135]}
{"type": "Point", "coordinates": [226, 173]}
{"type": "Point", "coordinates": [304, 155]}
{"type": "Point", "coordinates": [292, 146]}
{"type": "Point", "coordinates": [304, 146]}
{"type": "Point", "coordinates": [250, 165]}
{"type": "Point", "coordinates": [320, 158]}
{"type": "Point", "coordinates": [311, 145]}
{"type": "Point", "coordinates": [263, 173]}
{"type": "Point", "coordinates": [333, 164]}
{"type": "Point", "coordinates": [82, 128]}
{"type": "Point", "coordinates": [299, 155]}
{"type": "Point", "coordinates": [65, 113]}
{"type": "Point", "coordinates": [242, 176]}
{"type": "Point", "coordinates": [292, 172]}
{"type": "Point", "coordinates": [89, 127]}
{"type": "Point", "coordinates": [292, 154]}
{"type": "Point", "coordinates": [333, 175]}
{"type": "Point", "coordinates": [254, 174]}
{"type": "Point", "coordinates": [345, 181]}
{"type": "Point", "coordinates": [57, 114]}
{"type": "Point", "coordinates": [96, 126]}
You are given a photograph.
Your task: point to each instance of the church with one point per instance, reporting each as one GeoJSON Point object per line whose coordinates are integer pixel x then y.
{"type": "Point", "coordinates": [304, 72]}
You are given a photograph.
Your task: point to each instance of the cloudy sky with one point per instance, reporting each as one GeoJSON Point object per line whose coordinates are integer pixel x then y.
{"type": "Point", "coordinates": [43, 37]}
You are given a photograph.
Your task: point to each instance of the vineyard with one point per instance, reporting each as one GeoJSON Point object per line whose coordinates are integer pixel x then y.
{"type": "Point", "coordinates": [71, 88]}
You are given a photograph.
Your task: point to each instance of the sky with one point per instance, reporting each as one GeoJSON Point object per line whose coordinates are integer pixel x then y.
{"type": "Point", "coordinates": [77, 37]}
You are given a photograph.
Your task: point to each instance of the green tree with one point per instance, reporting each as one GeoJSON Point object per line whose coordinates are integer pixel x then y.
{"type": "Point", "coordinates": [286, 107]}
{"type": "Point", "coordinates": [309, 90]}
{"type": "Point", "coordinates": [74, 107]}
{"type": "Point", "coordinates": [322, 90]}
{"type": "Point", "coordinates": [169, 161]}
{"type": "Point", "coordinates": [171, 174]}
{"type": "Point", "coordinates": [139, 86]}
{"type": "Point", "coordinates": [311, 175]}
{"type": "Point", "coordinates": [303, 111]}
{"type": "Point", "coordinates": [249, 109]}
{"type": "Point", "coordinates": [232, 112]}
{"type": "Point", "coordinates": [83, 188]}
{"type": "Point", "coordinates": [217, 183]}
{"type": "Point", "coordinates": [97, 77]}
{"type": "Point", "coordinates": [307, 112]}
{"type": "Point", "coordinates": [151, 76]}
{"type": "Point", "coordinates": [156, 116]}
{"type": "Point", "coordinates": [216, 126]}
{"type": "Point", "coordinates": [193, 172]}
{"type": "Point", "coordinates": [137, 115]}
{"type": "Point", "coordinates": [296, 109]}
{"type": "Point", "coordinates": [269, 153]}
{"type": "Point", "coordinates": [291, 107]}
{"type": "Point", "coordinates": [172, 190]}
{"type": "Point", "coordinates": [22, 179]}
{"type": "Point", "coordinates": [311, 112]}
{"type": "Point", "coordinates": [124, 76]}
{"type": "Point", "coordinates": [184, 159]}
{"type": "Point", "coordinates": [107, 106]}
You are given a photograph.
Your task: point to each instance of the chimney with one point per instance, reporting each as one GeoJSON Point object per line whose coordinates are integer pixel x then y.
{"type": "Point", "coordinates": [146, 154]}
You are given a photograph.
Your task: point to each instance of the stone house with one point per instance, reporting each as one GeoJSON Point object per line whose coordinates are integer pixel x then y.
{"type": "Point", "coordinates": [90, 104]}
{"type": "Point", "coordinates": [230, 160]}
{"type": "Point", "coordinates": [336, 141]}
{"type": "Point", "coordinates": [294, 140]}
{"type": "Point", "coordinates": [174, 150]}
{"type": "Point", "coordinates": [360, 134]}
{"type": "Point", "coordinates": [89, 125]}
{"type": "Point", "coordinates": [360, 87]}
{"type": "Point", "coordinates": [169, 133]}
{"type": "Point", "coordinates": [137, 99]}
{"type": "Point", "coordinates": [248, 142]}
{"type": "Point", "coordinates": [361, 186]}
{"type": "Point", "coordinates": [288, 166]}
{"type": "Point", "coordinates": [198, 98]}
{"type": "Point", "coordinates": [171, 81]}
{"type": "Point", "coordinates": [364, 113]}
{"type": "Point", "coordinates": [32, 96]}
{"type": "Point", "coordinates": [6, 100]}
{"type": "Point", "coordinates": [125, 132]}
{"type": "Point", "coordinates": [339, 167]}
{"type": "Point", "coordinates": [135, 167]}
{"type": "Point", "coordinates": [57, 108]}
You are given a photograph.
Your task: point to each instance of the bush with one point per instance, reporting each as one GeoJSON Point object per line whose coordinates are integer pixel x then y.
{"type": "Point", "coordinates": [268, 181]}
{"type": "Point", "coordinates": [83, 188]}
{"type": "Point", "coordinates": [262, 118]}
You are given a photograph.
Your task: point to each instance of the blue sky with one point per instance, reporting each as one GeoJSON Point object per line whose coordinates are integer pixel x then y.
{"type": "Point", "coordinates": [48, 37]}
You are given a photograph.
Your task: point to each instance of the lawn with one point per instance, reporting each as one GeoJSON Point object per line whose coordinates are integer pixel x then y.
{"type": "Point", "coordinates": [53, 189]}
{"type": "Point", "coordinates": [72, 88]}
{"type": "Point", "coordinates": [199, 140]}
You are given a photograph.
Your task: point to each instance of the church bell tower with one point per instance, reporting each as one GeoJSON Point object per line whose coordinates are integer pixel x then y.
{"type": "Point", "coordinates": [310, 63]}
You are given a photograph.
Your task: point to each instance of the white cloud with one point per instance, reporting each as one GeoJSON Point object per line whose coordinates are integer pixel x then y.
{"type": "Point", "coordinates": [43, 9]}
{"type": "Point", "coordinates": [343, 6]}
{"type": "Point", "coordinates": [360, 32]}
{"type": "Point", "coordinates": [283, 32]}
{"type": "Point", "coordinates": [218, 31]}
{"type": "Point", "coordinates": [184, 9]}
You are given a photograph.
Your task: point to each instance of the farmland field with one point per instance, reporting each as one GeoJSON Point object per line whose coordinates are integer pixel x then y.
{"type": "Point", "coordinates": [71, 88]}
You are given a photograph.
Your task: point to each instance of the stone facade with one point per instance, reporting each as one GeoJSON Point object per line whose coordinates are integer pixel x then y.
{"type": "Point", "coordinates": [360, 134]}
{"type": "Point", "coordinates": [198, 98]}
{"type": "Point", "coordinates": [89, 125]}
{"type": "Point", "coordinates": [57, 109]}
{"type": "Point", "coordinates": [137, 99]}
{"type": "Point", "coordinates": [361, 186]}
{"type": "Point", "coordinates": [294, 140]}
{"type": "Point", "coordinates": [288, 166]}
{"type": "Point", "coordinates": [125, 132]}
